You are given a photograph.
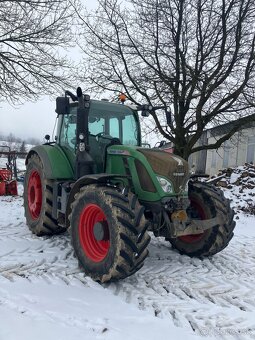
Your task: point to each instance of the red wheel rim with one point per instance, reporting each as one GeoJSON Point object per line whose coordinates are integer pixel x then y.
{"type": "Point", "coordinates": [197, 237]}
{"type": "Point", "coordinates": [34, 194]}
{"type": "Point", "coordinates": [94, 249]}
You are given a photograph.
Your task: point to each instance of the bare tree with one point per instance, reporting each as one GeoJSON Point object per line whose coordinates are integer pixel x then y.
{"type": "Point", "coordinates": [32, 34]}
{"type": "Point", "coordinates": [194, 56]}
{"type": "Point", "coordinates": [23, 148]}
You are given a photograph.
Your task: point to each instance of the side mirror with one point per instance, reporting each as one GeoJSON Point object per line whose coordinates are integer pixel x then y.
{"type": "Point", "coordinates": [145, 113]}
{"type": "Point", "coordinates": [62, 105]}
{"type": "Point", "coordinates": [146, 109]}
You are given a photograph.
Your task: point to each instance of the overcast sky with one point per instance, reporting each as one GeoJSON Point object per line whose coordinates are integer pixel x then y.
{"type": "Point", "coordinates": [32, 119]}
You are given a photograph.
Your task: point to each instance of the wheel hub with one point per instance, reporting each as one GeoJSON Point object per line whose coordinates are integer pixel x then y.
{"type": "Point", "coordinates": [100, 231]}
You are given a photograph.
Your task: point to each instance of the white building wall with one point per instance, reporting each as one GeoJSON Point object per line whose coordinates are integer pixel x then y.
{"type": "Point", "coordinates": [232, 154]}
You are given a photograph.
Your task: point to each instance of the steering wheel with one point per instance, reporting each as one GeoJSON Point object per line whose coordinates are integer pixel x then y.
{"type": "Point", "coordinates": [103, 136]}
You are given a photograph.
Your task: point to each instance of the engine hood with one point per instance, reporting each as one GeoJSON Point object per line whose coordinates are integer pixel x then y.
{"type": "Point", "coordinates": [173, 167]}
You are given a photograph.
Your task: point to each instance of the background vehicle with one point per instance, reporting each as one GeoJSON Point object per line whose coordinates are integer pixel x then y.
{"type": "Point", "coordinates": [97, 181]}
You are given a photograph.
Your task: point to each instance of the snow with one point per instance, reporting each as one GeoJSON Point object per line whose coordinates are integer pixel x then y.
{"type": "Point", "coordinates": [234, 177]}
{"type": "Point", "coordinates": [58, 311]}
{"type": "Point", "coordinates": [45, 295]}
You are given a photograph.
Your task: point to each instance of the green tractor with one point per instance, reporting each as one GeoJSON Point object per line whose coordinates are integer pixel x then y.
{"type": "Point", "coordinates": [99, 183]}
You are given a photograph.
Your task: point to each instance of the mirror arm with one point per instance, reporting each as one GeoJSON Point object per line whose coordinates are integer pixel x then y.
{"type": "Point", "coordinates": [71, 95]}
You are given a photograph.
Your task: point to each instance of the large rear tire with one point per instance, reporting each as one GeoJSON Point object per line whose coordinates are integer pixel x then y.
{"type": "Point", "coordinates": [207, 201]}
{"type": "Point", "coordinates": [109, 233]}
{"type": "Point", "coordinates": [38, 198]}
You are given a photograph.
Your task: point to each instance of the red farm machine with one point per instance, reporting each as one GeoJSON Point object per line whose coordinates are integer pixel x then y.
{"type": "Point", "coordinates": [8, 173]}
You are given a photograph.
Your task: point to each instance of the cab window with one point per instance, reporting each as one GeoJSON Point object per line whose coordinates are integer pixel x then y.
{"type": "Point", "coordinates": [96, 125]}
{"type": "Point", "coordinates": [130, 133]}
{"type": "Point", "coordinates": [68, 131]}
{"type": "Point", "coordinates": [114, 127]}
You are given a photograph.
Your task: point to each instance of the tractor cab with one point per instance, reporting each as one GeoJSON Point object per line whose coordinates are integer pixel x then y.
{"type": "Point", "coordinates": [108, 124]}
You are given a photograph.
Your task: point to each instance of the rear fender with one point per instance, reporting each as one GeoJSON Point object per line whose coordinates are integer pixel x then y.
{"type": "Point", "coordinates": [55, 163]}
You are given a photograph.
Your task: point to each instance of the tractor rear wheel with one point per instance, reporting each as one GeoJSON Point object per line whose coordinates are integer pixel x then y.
{"type": "Point", "coordinates": [109, 232]}
{"type": "Point", "coordinates": [38, 198]}
{"type": "Point", "coordinates": [206, 202]}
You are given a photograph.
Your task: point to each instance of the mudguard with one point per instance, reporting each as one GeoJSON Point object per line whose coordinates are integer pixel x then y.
{"type": "Point", "coordinates": [55, 163]}
{"type": "Point", "coordinates": [86, 180]}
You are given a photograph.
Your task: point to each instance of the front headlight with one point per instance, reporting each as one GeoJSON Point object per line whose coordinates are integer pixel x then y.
{"type": "Point", "coordinates": [165, 185]}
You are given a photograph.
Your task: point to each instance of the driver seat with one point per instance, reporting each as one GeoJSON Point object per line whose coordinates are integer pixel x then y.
{"type": "Point", "coordinates": [98, 150]}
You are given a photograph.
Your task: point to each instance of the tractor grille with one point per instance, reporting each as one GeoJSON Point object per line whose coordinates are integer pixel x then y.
{"type": "Point", "coordinates": [144, 178]}
{"type": "Point", "coordinates": [168, 165]}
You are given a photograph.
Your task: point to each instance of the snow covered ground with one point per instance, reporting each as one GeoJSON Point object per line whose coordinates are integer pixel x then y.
{"type": "Point", "coordinates": [44, 295]}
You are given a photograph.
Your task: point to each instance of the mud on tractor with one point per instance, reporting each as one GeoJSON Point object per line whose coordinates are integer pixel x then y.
{"type": "Point", "coordinates": [99, 183]}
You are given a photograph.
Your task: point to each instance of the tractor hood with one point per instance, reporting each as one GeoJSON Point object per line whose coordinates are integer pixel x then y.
{"type": "Point", "coordinates": [168, 165]}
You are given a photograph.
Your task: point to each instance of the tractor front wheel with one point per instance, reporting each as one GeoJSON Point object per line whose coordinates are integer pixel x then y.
{"type": "Point", "coordinates": [109, 233]}
{"type": "Point", "coordinates": [207, 201]}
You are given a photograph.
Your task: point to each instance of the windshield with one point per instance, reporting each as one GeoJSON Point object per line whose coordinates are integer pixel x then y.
{"type": "Point", "coordinates": [105, 122]}
{"type": "Point", "coordinates": [114, 121]}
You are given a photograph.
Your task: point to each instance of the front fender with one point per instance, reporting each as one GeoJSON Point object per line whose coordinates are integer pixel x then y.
{"type": "Point", "coordinates": [55, 163]}
{"type": "Point", "coordinates": [87, 180]}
